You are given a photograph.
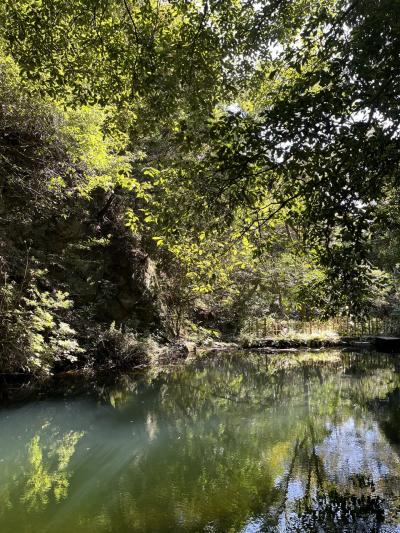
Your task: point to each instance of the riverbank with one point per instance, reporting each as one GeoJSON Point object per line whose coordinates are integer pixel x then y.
{"type": "Point", "coordinates": [123, 354]}
{"type": "Point", "coordinates": [174, 356]}
{"type": "Point", "coordinates": [293, 341]}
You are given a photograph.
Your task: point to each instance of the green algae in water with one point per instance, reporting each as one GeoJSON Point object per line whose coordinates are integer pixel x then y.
{"type": "Point", "coordinates": [229, 443]}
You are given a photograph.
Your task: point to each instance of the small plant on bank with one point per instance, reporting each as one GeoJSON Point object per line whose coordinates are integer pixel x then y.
{"type": "Point", "coordinates": [120, 348]}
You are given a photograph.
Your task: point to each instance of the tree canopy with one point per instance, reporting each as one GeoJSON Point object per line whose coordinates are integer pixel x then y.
{"type": "Point", "coordinates": [229, 156]}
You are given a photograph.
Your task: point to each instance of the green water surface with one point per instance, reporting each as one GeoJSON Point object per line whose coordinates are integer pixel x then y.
{"type": "Point", "coordinates": [230, 442]}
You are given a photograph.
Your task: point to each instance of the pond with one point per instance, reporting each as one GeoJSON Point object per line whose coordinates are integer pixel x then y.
{"type": "Point", "coordinates": [229, 442]}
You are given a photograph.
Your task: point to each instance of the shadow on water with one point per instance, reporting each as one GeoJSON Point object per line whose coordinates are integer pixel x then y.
{"type": "Point", "coordinates": [236, 442]}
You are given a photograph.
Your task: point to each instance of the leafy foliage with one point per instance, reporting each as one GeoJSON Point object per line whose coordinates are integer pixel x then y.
{"type": "Point", "coordinates": [198, 162]}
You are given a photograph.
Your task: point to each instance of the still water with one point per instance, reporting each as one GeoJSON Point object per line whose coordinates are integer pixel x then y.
{"type": "Point", "coordinates": [226, 443]}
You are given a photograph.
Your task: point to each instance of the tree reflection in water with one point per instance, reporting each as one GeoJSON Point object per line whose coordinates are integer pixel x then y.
{"type": "Point", "coordinates": [241, 442]}
{"type": "Point", "coordinates": [43, 478]}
